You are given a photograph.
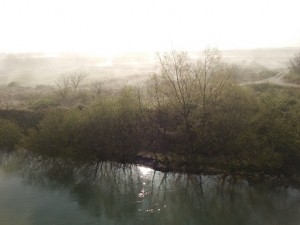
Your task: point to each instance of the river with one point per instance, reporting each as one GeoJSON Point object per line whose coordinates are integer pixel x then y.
{"type": "Point", "coordinates": [38, 191]}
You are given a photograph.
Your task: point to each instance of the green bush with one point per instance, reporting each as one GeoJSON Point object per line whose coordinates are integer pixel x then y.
{"type": "Point", "coordinates": [10, 134]}
{"type": "Point", "coordinates": [105, 131]}
{"type": "Point", "coordinates": [54, 134]}
{"type": "Point", "coordinates": [43, 104]}
{"type": "Point", "coordinates": [277, 125]}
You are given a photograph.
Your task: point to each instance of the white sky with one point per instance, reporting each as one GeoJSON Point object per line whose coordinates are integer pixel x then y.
{"type": "Point", "coordinates": [110, 26]}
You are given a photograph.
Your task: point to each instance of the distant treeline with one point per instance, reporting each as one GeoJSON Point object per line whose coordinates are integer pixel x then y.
{"type": "Point", "coordinates": [191, 116]}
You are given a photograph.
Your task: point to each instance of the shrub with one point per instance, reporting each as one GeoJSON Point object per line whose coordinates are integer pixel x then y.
{"type": "Point", "coordinates": [106, 131]}
{"type": "Point", "coordinates": [10, 134]}
{"type": "Point", "coordinates": [43, 104]}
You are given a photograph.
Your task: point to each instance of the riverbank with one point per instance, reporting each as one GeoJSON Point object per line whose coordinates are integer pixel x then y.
{"type": "Point", "coordinates": [91, 134]}
{"type": "Point", "coordinates": [229, 129]}
{"type": "Point", "coordinates": [291, 178]}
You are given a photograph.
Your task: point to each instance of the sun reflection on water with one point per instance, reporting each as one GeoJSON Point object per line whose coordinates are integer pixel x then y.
{"type": "Point", "coordinates": [145, 170]}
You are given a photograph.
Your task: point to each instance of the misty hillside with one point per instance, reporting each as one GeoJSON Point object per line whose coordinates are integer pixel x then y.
{"type": "Point", "coordinates": [34, 69]}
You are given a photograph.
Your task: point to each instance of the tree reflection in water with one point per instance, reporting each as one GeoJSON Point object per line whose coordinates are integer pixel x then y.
{"type": "Point", "coordinates": [129, 194]}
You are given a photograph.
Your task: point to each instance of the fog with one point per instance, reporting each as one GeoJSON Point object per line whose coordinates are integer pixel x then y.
{"type": "Point", "coordinates": [119, 40]}
{"type": "Point", "coordinates": [109, 27]}
{"type": "Point", "coordinates": [41, 69]}
{"type": "Point", "coordinates": [35, 69]}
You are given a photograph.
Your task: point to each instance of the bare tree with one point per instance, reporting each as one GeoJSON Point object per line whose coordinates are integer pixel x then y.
{"type": "Point", "coordinates": [212, 76]}
{"type": "Point", "coordinates": [179, 84]}
{"type": "Point", "coordinates": [63, 86]}
{"type": "Point", "coordinates": [66, 83]}
{"type": "Point", "coordinates": [76, 79]}
{"type": "Point", "coordinates": [158, 100]}
{"type": "Point", "coordinates": [191, 88]}
{"type": "Point", "coordinates": [97, 88]}
{"type": "Point", "coordinates": [295, 64]}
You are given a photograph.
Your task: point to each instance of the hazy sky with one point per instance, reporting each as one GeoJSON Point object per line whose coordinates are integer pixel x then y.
{"type": "Point", "coordinates": [110, 26]}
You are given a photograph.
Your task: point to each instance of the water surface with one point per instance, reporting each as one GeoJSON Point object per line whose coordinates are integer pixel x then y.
{"type": "Point", "coordinates": [34, 191]}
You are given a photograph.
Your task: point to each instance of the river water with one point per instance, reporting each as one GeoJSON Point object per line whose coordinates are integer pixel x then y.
{"type": "Point", "coordinates": [44, 192]}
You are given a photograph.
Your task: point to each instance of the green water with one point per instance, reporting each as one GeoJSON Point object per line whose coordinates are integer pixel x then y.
{"type": "Point", "coordinates": [44, 192]}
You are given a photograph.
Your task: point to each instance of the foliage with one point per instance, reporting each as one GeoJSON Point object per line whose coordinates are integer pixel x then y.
{"type": "Point", "coordinates": [10, 134]}
{"type": "Point", "coordinates": [190, 115]}
{"type": "Point", "coordinates": [278, 125]}
{"type": "Point", "coordinates": [43, 103]}
{"type": "Point", "coordinates": [24, 118]}
{"type": "Point", "coordinates": [107, 130]}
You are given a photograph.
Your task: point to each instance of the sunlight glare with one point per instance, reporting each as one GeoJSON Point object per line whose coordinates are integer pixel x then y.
{"type": "Point", "coordinates": [110, 27]}
{"type": "Point", "coordinates": [145, 170]}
